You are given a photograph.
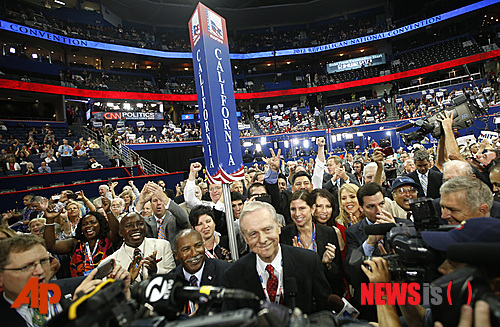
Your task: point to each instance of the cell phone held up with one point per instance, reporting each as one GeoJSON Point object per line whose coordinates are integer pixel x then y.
{"type": "Point", "coordinates": [386, 147]}
{"type": "Point", "coordinates": [105, 269]}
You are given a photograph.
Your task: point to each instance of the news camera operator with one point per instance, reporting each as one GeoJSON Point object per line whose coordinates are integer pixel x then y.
{"type": "Point", "coordinates": [372, 204]}
{"type": "Point", "coordinates": [480, 230]}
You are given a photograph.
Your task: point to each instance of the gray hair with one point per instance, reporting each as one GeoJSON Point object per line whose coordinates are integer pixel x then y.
{"type": "Point", "coordinates": [370, 166]}
{"type": "Point", "coordinates": [257, 205]}
{"type": "Point", "coordinates": [421, 155]}
{"type": "Point", "coordinates": [408, 161]}
{"type": "Point", "coordinates": [461, 167]}
{"type": "Point", "coordinates": [476, 192]}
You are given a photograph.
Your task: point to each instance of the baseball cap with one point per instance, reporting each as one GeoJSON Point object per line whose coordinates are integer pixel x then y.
{"type": "Point", "coordinates": [403, 180]}
{"type": "Point", "coordinates": [474, 230]}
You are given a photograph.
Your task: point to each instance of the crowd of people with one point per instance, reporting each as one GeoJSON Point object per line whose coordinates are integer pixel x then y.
{"type": "Point", "coordinates": [19, 153]}
{"type": "Point", "coordinates": [299, 220]}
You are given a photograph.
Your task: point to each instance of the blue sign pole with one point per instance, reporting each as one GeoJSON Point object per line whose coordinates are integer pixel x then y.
{"type": "Point", "coordinates": [217, 107]}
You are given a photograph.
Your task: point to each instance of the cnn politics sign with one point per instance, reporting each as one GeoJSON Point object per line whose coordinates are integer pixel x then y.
{"type": "Point", "coordinates": [119, 115]}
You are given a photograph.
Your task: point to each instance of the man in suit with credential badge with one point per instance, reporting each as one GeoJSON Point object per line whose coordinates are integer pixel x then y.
{"type": "Point", "coordinates": [276, 273]}
{"type": "Point", "coordinates": [429, 180]}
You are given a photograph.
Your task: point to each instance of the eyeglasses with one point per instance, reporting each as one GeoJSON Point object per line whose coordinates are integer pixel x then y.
{"type": "Point", "coordinates": [257, 195]}
{"type": "Point", "coordinates": [403, 191]}
{"type": "Point", "coordinates": [29, 268]}
{"type": "Point", "coordinates": [213, 189]}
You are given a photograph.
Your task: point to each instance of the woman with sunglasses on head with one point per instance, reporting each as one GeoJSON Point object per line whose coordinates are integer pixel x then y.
{"type": "Point", "coordinates": [305, 233]}
{"type": "Point", "coordinates": [349, 212]}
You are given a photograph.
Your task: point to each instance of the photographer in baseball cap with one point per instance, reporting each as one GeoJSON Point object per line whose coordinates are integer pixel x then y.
{"type": "Point", "coordinates": [468, 266]}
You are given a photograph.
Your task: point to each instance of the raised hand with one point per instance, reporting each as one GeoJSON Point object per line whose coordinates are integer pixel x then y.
{"type": "Point", "coordinates": [274, 161]}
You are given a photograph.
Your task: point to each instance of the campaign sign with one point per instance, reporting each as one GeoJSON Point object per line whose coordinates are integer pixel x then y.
{"type": "Point", "coordinates": [214, 88]}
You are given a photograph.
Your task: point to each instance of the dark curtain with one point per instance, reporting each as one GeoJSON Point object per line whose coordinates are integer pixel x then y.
{"type": "Point", "coordinates": [173, 159]}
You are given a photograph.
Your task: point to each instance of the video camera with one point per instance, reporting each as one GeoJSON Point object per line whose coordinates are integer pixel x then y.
{"type": "Point", "coordinates": [471, 283]}
{"type": "Point", "coordinates": [464, 112]}
{"type": "Point", "coordinates": [159, 301]}
{"type": "Point", "coordinates": [412, 260]}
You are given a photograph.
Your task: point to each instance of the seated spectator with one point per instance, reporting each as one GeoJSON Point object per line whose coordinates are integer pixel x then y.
{"type": "Point", "coordinates": [30, 168]}
{"type": "Point", "coordinates": [93, 164]}
{"type": "Point", "coordinates": [44, 168]}
{"type": "Point", "coordinates": [50, 158]}
{"type": "Point", "coordinates": [12, 165]}
{"type": "Point", "coordinates": [116, 161]}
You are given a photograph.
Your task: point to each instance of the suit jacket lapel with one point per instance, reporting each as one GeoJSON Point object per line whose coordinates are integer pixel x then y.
{"type": "Point", "coordinates": [289, 269]}
{"type": "Point", "coordinates": [209, 275]}
{"type": "Point", "coordinates": [151, 221]}
{"type": "Point", "coordinates": [252, 278]}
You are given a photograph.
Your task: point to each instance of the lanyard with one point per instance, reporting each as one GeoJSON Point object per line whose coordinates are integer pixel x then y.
{"type": "Point", "coordinates": [313, 238]}
{"type": "Point", "coordinates": [279, 293]}
{"type": "Point", "coordinates": [209, 254]}
{"type": "Point", "coordinates": [90, 256]}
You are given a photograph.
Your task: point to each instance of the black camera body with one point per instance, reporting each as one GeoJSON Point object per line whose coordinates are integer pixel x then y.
{"type": "Point", "coordinates": [464, 112]}
{"type": "Point", "coordinates": [412, 260]}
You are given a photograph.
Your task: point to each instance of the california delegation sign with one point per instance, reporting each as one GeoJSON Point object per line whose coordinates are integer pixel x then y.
{"type": "Point", "coordinates": [214, 88]}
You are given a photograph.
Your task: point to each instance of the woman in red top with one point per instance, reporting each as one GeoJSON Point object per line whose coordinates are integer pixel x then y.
{"type": "Point", "coordinates": [95, 239]}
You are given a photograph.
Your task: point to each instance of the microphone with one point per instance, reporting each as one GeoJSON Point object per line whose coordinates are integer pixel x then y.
{"type": "Point", "coordinates": [378, 229]}
{"type": "Point", "coordinates": [211, 293]}
{"type": "Point", "coordinates": [342, 308]}
{"type": "Point", "coordinates": [477, 254]}
{"type": "Point", "coordinates": [137, 252]}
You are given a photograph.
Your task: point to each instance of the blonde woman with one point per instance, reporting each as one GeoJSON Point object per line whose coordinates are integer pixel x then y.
{"type": "Point", "coordinates": [349, 206]}
{"type": "Point", "coordinates": [128, 197]}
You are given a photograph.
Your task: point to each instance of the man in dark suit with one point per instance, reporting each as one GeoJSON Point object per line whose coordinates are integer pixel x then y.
{"type": "Point", "coordinates": [190, 252]}
{"type": "Point", "coordinates": [337, 175]}
{"type": "Point", "coordinates": [116, 161]}
{"type": "Point", "coordinates": [372, 204]}
{"type": "Point", "coordinates": [168, 217]}
{"type": "Point", "coordinates": [429, 180]}
{"type": "Point", "coordinates": [276, 273]}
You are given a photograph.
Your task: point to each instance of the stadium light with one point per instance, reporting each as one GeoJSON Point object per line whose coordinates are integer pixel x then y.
{"type": "Point", "coordinates": [287, 144]}
{"type": "Point", "coordinates": [360, 134]}
{"type": "Point", "coordinates": [34, 56]}
{"type": "Point", "coordinates": [12, 50]}
{"type": "Point", "coordinates": [306, 144]}
{"type": "Point", "coordinates": [263, 140]}
{"type": "Point", "coordinates": [258, 147]}
{"type": "Point", "coordinates": [247, 144]}
{"type": "Point", "coordinates": [295, 141]}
